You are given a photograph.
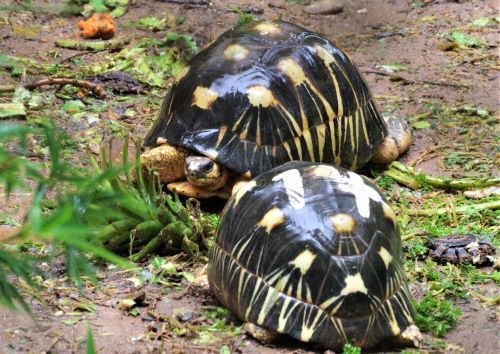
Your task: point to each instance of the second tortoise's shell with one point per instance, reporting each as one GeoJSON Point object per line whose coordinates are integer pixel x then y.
{"type": "Point", "coordinates": [267, 93]}
{"type": "Point", "coordinates": [312, 251]}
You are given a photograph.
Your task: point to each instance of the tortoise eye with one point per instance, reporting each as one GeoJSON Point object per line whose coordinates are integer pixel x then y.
{"type": "Point", "coordinates": [207, 166]}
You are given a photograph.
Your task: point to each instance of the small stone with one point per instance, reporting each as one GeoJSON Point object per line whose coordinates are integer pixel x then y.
{"type": "Point", "coordinates": [279, 4]}
{"type": "Point", "coordinates": [446, 45]}
{"type": "Point", "coordinates": [483, 193]}
{"type": "Point", "coordinates": [58, 313]}
{"type": "Point", "coordinates": [325, 7]}
{"type": "Point", "coordinates": [92, 119]}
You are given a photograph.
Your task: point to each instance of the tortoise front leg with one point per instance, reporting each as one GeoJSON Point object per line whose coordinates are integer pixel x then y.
{"type": "Point", "coordinates": [168, 160]}
{"type": "Point", "coordinates": [238, 183]}
{"type": "Point", "coordinates": [411, 336]}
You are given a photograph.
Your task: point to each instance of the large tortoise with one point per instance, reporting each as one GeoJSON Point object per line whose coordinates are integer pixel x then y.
{"type": "Point", "coordinates": [313, 251]}
{"type": "Point", "coordinates": [263, 94]}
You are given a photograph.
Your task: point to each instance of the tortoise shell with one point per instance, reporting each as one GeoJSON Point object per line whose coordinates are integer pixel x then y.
{"type": "Point", "coordinates": [312, 251]}
{"type": "Point", "coordinates": [461, 249]}
{"type": "Point", "coordinates": [267, 93]}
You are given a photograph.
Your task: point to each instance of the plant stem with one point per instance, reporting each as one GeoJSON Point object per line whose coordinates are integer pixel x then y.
{"type": "Point", "coordinates": [96, 46]}
{"type": "Point", "coordinates": [493, 205]}
{"type": "Point", "coordinates": [408, 177]}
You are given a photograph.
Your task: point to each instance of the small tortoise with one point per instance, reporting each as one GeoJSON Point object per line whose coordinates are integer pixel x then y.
{"type": "Point", "coordinates": [313, 251]}
{"type": "Point", "coordinates": [261, 95]}
{"type": "Point", "coordinates": [461, 249]}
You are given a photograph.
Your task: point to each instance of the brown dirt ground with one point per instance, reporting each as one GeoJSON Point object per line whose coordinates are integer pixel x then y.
{"type": "Point", "coordinates": [373, 33]}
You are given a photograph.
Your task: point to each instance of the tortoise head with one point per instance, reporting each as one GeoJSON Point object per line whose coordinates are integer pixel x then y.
{"type": "Point", "coordinates": [204, 172]}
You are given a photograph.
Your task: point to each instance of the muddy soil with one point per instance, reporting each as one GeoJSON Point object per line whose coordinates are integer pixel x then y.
{"type": "Point", "coordinates": [374, 33]}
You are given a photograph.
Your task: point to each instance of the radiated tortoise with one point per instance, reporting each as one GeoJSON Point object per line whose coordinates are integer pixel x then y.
{"type": "Point", "coordinates": [313, 251]}
{"type": "Point", "coordinates": [260, 95]}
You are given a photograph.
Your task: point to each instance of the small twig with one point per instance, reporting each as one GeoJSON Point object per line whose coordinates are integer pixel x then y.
{"type": "Point", "coordinates": [482, 57]}
{"type": "Point", "coordinates": [96, 89]}
{"type": "Point", "coordinates": [428, 154]}
{"type": "Point", "coordinates": [188, 2]}
{"type": "Point", "coordinates": [206, 3]}
{"type": "Point", "coordinates": [51, 345]}
{"type": "Point", "coordinates": [413, 234]}
{"type": "Point", "coordinates": [73, 56]}
{"type": "Point", "coordinates": [414, 81]}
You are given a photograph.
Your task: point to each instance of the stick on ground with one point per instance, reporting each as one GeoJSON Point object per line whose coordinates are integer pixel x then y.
{"type": "Point", "coordinates": [94, 88]}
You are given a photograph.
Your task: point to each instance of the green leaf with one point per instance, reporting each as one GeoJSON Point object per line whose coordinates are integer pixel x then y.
{"type": "Point", "coordinates": [12, 110]}
{"type": "Point", "coordinates": [99, 6]}
{"type": "Point", "coordinates": [482, 22]}
{"type": "Point", "coordinates": [225, 350]}
{"type": "Point", "coordinates": [206, 338]}
{"type": "Point", "coordinates": [151, 23]}
{"type": "Point", "coordinates": [243, 18]}
{"type": "Point", "coordinates": [423, 124]}
{"type": "Point", "coordinates": [390, 68]}
{"type": "Point", "coordinates": [187, 276]}
{"type": "Point", "coordinates": [90, 344]}
{"type": "Point", "coordinates": [73, 106]}
{"type": "Point", "coordinates": [351, 349]}
{"type": "Point", "coordinates": [86, 307]}
{"type": "Point", "coordinates": [465, 41]}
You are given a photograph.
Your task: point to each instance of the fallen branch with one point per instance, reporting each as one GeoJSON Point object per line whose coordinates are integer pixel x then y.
{"type": "Point", "coordinates": [96, 46]}
{"type": "Point", "coordinates": [493, 205]}
{"type": "Point", "coordinates": [408, 177]}
{"type": "Point", "coordinates": [96, 89]}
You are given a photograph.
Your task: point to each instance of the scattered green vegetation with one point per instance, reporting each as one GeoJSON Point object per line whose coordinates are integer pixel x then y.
{"type": "Point", "coordinates": [152, 23]}
{"type": "Point", "coordinates": [243, 18]}
{"type": "Point", "coordinates": [116, 8]}
{"type": "Point", "coordinates": [465, 41]}
{"type": "Point", "coordinates": [101, 207]}
{"type": "Point", "coordinates": [430, 206]}
{"type": "Point", "coordinates": [351, 349]}
{"type": "Point", "coordinates": [69, 226]}
{"type": "Point", "coordinates": [147, 220]}
{"type": "Point", "coordinates": [484, 22]}
{"type": "Point", "coordinates": [436, 316]}
{"type": "Point", "coordinates": [151, 60]}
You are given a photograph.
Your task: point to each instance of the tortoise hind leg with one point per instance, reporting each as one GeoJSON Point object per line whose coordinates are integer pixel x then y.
{"type": "Point", "coordinates": [261, 334]}
{"type": "Point", "coordinates": [395, 143]}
